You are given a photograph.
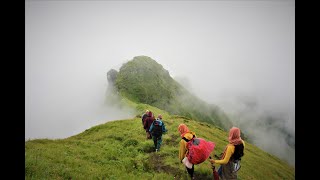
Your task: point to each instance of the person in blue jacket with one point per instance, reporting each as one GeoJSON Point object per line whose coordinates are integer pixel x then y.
{"type": "Point", "coordinates": [156, 129]}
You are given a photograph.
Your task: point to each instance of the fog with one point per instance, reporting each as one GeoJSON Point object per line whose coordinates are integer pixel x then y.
{"type": "Point", "coordinates": [235, 54]}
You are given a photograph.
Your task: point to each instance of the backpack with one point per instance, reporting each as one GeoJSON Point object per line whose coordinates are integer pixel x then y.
{"type": "Point", "coordinates": [143, 117]}
{"type": "Point", "coordinates": [198, 149]}
{"type": "Point", "coordinates": [157, 128]}
{"type": "Point", "coordinates": [238, 153]}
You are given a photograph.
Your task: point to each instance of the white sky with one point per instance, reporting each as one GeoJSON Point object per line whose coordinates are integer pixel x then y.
{"type": "Point", "coordinates": [224, 49]}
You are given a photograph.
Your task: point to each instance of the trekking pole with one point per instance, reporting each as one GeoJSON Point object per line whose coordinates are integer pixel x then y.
{"type": "Point", "coordinates": [214, 172]}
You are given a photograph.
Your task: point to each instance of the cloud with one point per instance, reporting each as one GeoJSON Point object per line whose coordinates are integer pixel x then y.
{"type": "Point", "coordinates": [235, 54]}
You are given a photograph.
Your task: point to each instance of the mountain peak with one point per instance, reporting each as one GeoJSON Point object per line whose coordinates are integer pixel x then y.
{"type": "Point", "coordinates": [144, 80]}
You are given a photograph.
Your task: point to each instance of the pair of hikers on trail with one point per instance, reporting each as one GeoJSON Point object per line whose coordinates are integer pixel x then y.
{"type": "Point", "coordinates": [154, 128]}
{"type": "Point", "coordinates": [195, 150]}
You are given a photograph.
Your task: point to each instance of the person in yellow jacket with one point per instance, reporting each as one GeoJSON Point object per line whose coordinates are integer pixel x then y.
{"type": "Point", "coordinates": [234, 150]}
{"type": "Point", "coordinates": [186, 135]}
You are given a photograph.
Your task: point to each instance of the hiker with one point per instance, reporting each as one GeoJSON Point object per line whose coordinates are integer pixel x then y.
{"type": "Point", "coordinates": [233, 151]}
{"type": "Point", "coordinates": [147, 123]}
{"type": "Point", "coordinates": [156, 129]}
{"type": "Point", "coordinates": [144, 115]}
{"type": "Point", "coordinates": [183, 150]}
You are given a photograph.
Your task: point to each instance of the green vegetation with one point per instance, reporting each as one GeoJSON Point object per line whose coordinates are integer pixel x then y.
{"type": "Point", "coordinates": [119, 150]}
{"type": "Point", "coordinates": [143, 80]}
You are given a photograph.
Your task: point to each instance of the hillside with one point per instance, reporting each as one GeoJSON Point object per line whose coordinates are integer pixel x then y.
{"type": "Point", "coordinates": [119, 150]}
{"type": "Point", "coordinates": [143, 80]}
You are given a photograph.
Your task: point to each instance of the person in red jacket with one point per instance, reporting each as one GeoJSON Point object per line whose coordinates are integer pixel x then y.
{"type": "Point", "coordinates": [147, 123]}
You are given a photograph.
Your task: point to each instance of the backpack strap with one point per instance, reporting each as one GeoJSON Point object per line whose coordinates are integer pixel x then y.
{"type": "Point", "coordinates": [187, 140]}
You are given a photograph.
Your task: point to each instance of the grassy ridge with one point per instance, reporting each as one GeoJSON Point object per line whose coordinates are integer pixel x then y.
{"type": "Point", "coordinates": [119, 150]}
{"type": "Point", "coordinates": [143, 80]}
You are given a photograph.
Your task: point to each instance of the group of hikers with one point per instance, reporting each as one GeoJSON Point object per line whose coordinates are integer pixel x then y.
{"type": "Point", "coordinates": [154, 128]}
{"type": "Point", "coordinates": [229, 160]}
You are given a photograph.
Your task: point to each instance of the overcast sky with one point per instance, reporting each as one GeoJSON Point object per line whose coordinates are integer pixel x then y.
{"type": "Point", "coordinates": [226, 52]}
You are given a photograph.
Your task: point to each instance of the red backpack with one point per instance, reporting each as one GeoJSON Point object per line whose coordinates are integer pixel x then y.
{"type": "Point", "coordinates": [198, 149]}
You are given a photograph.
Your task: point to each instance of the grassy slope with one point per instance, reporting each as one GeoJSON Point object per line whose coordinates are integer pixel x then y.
{"type": "Point", "coordinates": [119, 150]}
{"type": "Point", "coordinates": [143, 80]}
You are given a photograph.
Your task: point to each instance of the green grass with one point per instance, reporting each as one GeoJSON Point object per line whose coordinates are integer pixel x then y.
{"type": "Point", "coordinates": [119, 150]}
{"type": "Point", "coordinates": [144, 80]}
